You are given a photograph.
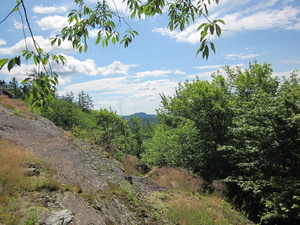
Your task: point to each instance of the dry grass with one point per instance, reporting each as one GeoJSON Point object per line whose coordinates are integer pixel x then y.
{"type": "Point", "coordinates": [13, 160]}
{"type": "Point", "coordinates": [15, 183]}
{"type": "Point", "coordinates": [174, 178]}
{"type": "Point", "coordinates": [13, 104]}
{"type": "Point", "coordinates": [131, 165]}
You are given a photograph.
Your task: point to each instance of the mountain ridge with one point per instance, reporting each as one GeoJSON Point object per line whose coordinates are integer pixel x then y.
{"type": "Point", "coordinates": [144, 117]}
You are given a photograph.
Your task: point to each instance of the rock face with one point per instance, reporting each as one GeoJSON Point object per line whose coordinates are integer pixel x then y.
{"type": "Point", "coordinates": [76, 163]}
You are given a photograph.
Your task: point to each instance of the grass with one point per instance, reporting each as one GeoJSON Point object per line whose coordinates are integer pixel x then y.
{"type": "Point", "coordinates": [131, 165]}
{"type": "Point", "coordinates": [175, 178]}
{"type": "Point", "coordinates": [209, 210]}
{"type": "Point", "coordinates": [186, 202]}
{"type": "Point", "coordinates": [16, 185]}
{"type": "Point", "coordinates": [20, 109]}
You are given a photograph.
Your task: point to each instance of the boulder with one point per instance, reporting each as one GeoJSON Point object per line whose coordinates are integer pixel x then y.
{"type": "Point", "coordinates": [62, 217]}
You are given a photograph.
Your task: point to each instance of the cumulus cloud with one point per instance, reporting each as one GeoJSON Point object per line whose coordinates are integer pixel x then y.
{"type": "Point", "coordinates": [89, 67]}
{"type": "Point", "coordinates": [55, 23]}
{"type": "Point", "coordinates": [50, 9]}
{"type": "Point", "coordinates": [98, 85]}
{"type": "Point", "coordinates": [44, 43]}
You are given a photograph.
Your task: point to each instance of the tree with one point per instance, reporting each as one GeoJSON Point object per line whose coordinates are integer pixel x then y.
{"type": "Point", "coordinates": [85, 102]}
{"type": "Point", "coordinates": [14, 88]}
{"type": "Point", "coordinates": [243, 128]}
{"type": "Point", "coordinates": [265, 144]}
{"type": "Point", "coordinates": [111, 131]}
{"type": "Point", "coordinates": [208, 105]}
{"type": "Point", "coordinates": [174, 143]}
{"type": "Point", "coordinates": [136, 130]}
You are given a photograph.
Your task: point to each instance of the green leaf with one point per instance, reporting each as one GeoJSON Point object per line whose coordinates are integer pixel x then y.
{"type": "Point", "coordinates": [28, 56]}
{"type": "Point", "coordinates": [218, 30]}
{"type": "Point", "coordinates": [11, 64]}
{"type": "Point", "coordinates": [3, 62]}
{"type": "Point", "coordinates": [18, 60]}
{"type": "Point", "coordinates": [36, 60]}
{"type": "Point", "coordinates": [212, 46]}
{"type": "Point", "coordinates": [212, 29]}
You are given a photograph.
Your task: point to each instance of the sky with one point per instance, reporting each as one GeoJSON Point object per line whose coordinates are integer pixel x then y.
{"type": "Point", "coordinates": [130, 80]}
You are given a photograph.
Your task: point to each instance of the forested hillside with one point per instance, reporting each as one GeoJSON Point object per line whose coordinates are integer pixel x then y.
{"type": "Point", "coordinates": [241, 129]}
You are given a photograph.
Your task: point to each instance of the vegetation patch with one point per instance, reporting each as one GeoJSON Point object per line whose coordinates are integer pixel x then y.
{"type": "Point", "coordinates": [193, 209]}
{"type": "Point", "coordinates": [175, 178]}
{"type": "Point", "coordinates": [23, 179]}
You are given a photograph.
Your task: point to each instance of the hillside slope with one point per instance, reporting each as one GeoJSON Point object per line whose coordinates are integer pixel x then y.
{"type": "Point", "coordinates": [77, 164]}
{"type": "Point", "coordinates": [49, 177]}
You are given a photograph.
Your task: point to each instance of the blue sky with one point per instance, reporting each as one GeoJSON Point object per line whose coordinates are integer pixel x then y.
{"type": "Point", "coordinates": [130, 79]}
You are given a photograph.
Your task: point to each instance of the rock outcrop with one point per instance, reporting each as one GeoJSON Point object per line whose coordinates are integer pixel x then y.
{"type": "Point", "coordinates": [76, 163]}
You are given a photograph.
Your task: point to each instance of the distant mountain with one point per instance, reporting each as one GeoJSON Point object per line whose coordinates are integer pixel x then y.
{"type": "Point", "coordinates": [144, 117]}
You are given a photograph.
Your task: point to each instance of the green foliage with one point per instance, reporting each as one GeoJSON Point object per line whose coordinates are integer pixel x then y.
{"type": "Point", "coordinates": [107, 20]}
{"type": "Point", "coordinates": [244, 128]}
{"type": "Point", "coordinates": [173, 145]}
{"type": "Point", "coordinates": [208, 105]}
{"type": "Point", "coordinates": [68, 115]}
{"type": "Point", "coordinates": [42, 89]}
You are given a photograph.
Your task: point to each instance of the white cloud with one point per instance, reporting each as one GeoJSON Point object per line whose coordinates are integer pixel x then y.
{"type": "Point", "coordinates": [98, 85]}
{"type": "Point", "coordinates": [115, 68]}
{"type": "Point", "coordinates": [64, 80]}
{"type": "Point", "coordinates": [207, 67]}
{"type": "Point", "coordinates": [50, 9]}
{"type": "Point", "coordinates": [268, 19]}
{"type": "Point", "coordinates": [241, 56]}
{"type": "Point", "coordinates": [89, 67]}
{"type": "Point", "coordinates": [43, 43]}
{"type": "Point", "coordinates": [158, 73]}
{"type": "Point", "coordinates": [55, 23]}
{"type": "Point", "coordinates": [259, 16]}
{"type": "Point", "coordinates": [19, 25]}
{"type": "Point", "coordinates": [2, 42]}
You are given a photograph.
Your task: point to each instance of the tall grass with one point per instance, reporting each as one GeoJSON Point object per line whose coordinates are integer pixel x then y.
{"type": "Point", "coordinates": [15, 183]}
{"type": "Point", "coordinates": [188, 203]}
{"type": "Point", "coordinates": [208, 210]}
{"type": "Point", "coordinates": [174, 178]}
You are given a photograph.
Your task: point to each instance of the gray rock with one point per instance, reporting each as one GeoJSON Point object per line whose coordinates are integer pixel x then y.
{"type": "Point", "coordinates": [62, 217]}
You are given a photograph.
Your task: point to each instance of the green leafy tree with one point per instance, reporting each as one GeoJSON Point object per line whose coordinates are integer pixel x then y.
{"type": "Point", "coordinates": [174, 143]}
{"type": "Point", "coordinates": [208, 105]}
{"type": "Point", "coordinates": [245, 129]}
{"type": "Point", "coordinates": [111, 131]}
{"type": "Point", "coordinates": [265, 145]}
{"type": "Point", "coordinates": [137, 137]}
{"type": "Point", "coordinates": [68, 115]}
